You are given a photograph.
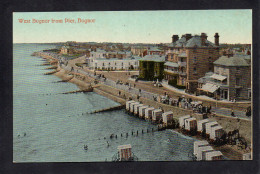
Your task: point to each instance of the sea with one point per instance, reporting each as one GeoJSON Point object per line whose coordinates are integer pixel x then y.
{"type": "Point", "coordinates": [49, 126]}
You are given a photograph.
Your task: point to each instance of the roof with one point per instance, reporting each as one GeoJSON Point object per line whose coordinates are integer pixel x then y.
{"type": "Point", "coordinates": [212, 123]}
{"type": "Point", "coordinates": [206, 77]}
{"type": "Point", "coordinates": [127, 146]}
{"type": "Point", "coordinates": [214, 153]}
{"type": "Point", "coordinates": [157, 110]}
{"type": "Point", "coordinates": [190, 119]}
{"type": "Point", "coordinates": [171, 64]}
{"type": "Point", "coordinates": [155, 58]}
{"type": "Point", "coordinates": [183, 54]}
{"type": "Point", "coordinates": [169, 112]}
{"type": "Point", "coordinates": [218, 77]}
{"type": "Point", "coordinates": [203, 121]}
{"type": "Point", "coordinates": [185, 116]}
{"type": "Point", "coordinates": [217, 127]}
{"type": "Point", "coordinates": [196, 41]}
{"type": "Point", "coordinates": [231, 61]}
{"type": "Point", "coordinates": [154, 49]}
{"type": "Point", "coordinates": [209, 87]}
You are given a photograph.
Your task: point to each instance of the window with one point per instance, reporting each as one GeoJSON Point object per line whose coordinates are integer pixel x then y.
{"type": "Point", "coordinates": [195, 60]}
{"type": "Point", "coordinates": [122, 64]}
{"type": "Point", "coordinates": [103, 64]}
{"type": "Point", "coordinates": [182, 59]}
{"type": "Point", "coordinates": [115, 63]}
{"type": "Point", "coordinates": [210, 59]}
{"type": "Point", "coordinates": [237, 68]}
{"type": "Point", "coordinates": [237, 92]}
{"type": "Point", "coordinates": [195, 70]}
{"type": "Point", "coordinates": [237, 81]}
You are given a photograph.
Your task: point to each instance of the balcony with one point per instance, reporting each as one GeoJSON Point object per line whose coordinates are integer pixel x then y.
{"type": "Point", "coordinates": [171, 71]}
{"type": "Point", "coordinates": [181, 63]}
{"type": "Point", "coordinates": [182, 73]}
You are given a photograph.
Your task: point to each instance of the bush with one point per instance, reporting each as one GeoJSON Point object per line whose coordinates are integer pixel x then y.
{"type": "Point", "coordinates": [173, 82]}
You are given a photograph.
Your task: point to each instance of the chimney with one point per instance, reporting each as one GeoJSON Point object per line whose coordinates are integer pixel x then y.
{"type": "Point", "coordinates": [188, 36]}
{"type": "Point", "coordinates": [216, 39]}
{"type": "Point", "coordinates": [203, 39]}
{"type": "Point", "coordinates": [175, 38]}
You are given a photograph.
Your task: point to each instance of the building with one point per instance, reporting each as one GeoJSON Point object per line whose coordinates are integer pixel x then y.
{"type": "Point", "coordinates": [194, 56]}
{"type": "Point", "coordinates": [66, 50]}
{"type": "Point", "coordinates": [151, 67]}
{"type": "Point", "coordinates": [139, 50]}
{"type": "Point", "coordinates": [113, 64]}
{"type": "Point", "coordinates": [230, 80]}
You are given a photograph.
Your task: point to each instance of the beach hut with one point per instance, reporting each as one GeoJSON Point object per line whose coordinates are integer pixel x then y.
{"type": "Point", "coordinates": [148, 113]}
{"type": "Point", "coordinates": [198, 144]}
{"type": "Point", "coordinates": [136, 109]}
{"type": "Point", "coordinates": [209, 125]}
{"type": "Point", "coordinates": [132, 106]}
{"type": "Point", "coordinates": [182, 119]}
{"type": "Point", "coordinates": [167, 117]}
{"type": "Point", "coordinates": [125, 152]}
{"type": "Point", "coordinates": [142, 111]}
{"type": "Point", "coordinates": [190, 124]}
{"type": "Point", "coordinates": [128, 104]}
{"type": "Point", "coordinates": [202, 152]}
{"type": "Point", "coordinates": [201, 125]}
{"type": "Point", "coordinates": [216, 132]}
{"type": "Point", "coordinates": [157, 114]}
{"type": "Point", "coordinates": [214, 155]}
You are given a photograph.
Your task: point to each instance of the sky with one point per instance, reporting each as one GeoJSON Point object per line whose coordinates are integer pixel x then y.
{"type": "Point", "coordinates": [233, 26]}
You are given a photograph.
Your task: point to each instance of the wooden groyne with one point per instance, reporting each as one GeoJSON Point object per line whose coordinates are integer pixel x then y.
{"type": "Point", "coordinates": [52, 72]}
{"type": "Point", "coordinates": [109, 109]}
{"type": "Point", "coordinates": [53, 67]}
{"type": "Point", "coordinates": [79, 91]}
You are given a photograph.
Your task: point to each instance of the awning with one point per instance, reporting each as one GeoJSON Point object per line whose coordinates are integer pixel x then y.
{"type": "Point", "coordinates": [218, 77]}
{"type": "Point", "coordinates": [171, 64]}
{"type": "Point", "coordinates": [209, 87]}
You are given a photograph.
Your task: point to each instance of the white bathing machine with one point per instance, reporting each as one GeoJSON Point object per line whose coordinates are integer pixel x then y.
{"type": "Point", "coordinates": [142, 111]}
{"type": "Point", "coordinates": [125, 152]}
{"type": "Point", "coordinates": [132, 106]}
{"type": "Point", "coordinates": [157, 114]}
{"type": "Point", "coordinates": [148, 113]}
{"type": "Point", "coordinates": [182, 120]}
{"type": "Point", "coordinates": [247, 156]}
{"type": "Point", "coordinates": [214, 155]}
{"type": "Point", "coordinates": [209, 125]}
{"type": "Point", "coordinates": [198, 144]}
{"type": "Point", "coordinates": [136, 109]}
{"type": "Point", "coordinates": [202, 151]}
{"type": "Point", "coordinates": [216, 132]}
{"type": "Point", "coordinates": [201, 125]}
{"type": "Point", "coordinates": [127, 105]}
{"type": "Point", "coordinates": [167, 117]}
{"type": "Point", "coordinates": [190, 124]}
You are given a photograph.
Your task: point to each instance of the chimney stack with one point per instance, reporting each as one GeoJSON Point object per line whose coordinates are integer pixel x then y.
{"type": "Point", "coordinates": [175, 38]}
{"type": "Point", "coordinates": [188, 36]}
{"type": "Point", "coordinates": [203, 39]}
{"type": "Point", "coordinates": [216, 39]}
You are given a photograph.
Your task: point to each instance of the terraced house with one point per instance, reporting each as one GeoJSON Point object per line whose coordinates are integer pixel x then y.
{"type": "Point", "coordinates": [192, 56]}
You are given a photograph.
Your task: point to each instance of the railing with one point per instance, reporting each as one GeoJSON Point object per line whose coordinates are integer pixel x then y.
{"type": "Point", "coordinates": [171, 71]}
{"type": "Point", "coordinates": [182, 63]}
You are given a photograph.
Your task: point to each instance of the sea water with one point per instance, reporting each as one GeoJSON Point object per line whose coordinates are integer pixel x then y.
{"type": "Point", "coordinates": [49, 126]}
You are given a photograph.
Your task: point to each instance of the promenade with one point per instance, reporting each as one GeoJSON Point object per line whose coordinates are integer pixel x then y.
{"type": "Point", "coordinates": [147, 90]}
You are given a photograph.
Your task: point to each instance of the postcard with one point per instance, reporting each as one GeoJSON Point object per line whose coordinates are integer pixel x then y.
{"type": "Point", "coordinates": [165, 85]}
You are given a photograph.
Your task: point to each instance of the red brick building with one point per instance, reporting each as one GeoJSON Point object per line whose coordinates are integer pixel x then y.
{"type": "Point", "coordinates": [195, 56]}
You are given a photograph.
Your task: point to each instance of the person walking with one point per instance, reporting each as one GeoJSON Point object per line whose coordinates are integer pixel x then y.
{"type": "Point", "coordinates": [232, 113]}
